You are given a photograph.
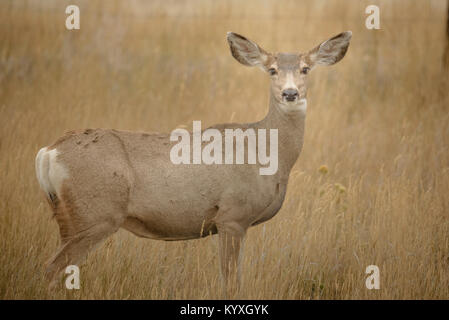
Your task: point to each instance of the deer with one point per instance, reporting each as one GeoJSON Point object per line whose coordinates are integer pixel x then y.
{"type": "Point", "coordinates": [97, 181]}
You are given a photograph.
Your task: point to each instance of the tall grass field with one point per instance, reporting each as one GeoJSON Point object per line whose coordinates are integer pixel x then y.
{"type": "Point", "coordinates": [371, 186]}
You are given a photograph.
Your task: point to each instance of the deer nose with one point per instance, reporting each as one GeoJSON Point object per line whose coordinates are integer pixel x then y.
{"type": "Point", "coordinates": [290, 94]}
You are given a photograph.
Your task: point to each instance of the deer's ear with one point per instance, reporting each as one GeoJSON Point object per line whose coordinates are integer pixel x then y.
{"type": "Point", "coordinates": [330, 51]}
{"type": "Point", "coordinates": [247, 52]}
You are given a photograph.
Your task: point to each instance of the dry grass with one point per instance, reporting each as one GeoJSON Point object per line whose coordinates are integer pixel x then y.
{"type": "Point", "coordinates": [378, 120]}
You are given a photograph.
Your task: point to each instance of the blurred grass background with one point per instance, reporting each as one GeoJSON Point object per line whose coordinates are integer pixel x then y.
{"type": "Point", "coordinates": [378, 121]}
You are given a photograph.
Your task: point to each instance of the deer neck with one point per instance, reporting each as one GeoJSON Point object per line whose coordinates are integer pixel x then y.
{"type": "Point", "coordinates": [290, 126]}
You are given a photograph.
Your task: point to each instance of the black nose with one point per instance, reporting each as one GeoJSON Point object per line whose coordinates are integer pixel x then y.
{"type": "Point", "coordinates": [290, 94]}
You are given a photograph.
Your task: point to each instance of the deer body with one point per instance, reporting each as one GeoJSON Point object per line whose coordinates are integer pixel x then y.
{"type": "Point", "coordinates": [98, 181]}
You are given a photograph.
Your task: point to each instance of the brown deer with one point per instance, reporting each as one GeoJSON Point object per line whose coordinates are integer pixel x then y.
{"type": "Point", "coordinates": [98, 181]}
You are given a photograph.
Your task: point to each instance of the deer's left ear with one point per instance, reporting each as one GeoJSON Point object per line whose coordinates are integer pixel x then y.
{"type": "Point", "coordinates": [330, 51]}
{"type": "Point", "coordinates": [246, 51]}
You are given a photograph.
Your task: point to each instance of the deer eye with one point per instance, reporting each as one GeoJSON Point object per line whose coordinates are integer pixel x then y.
{"type": "Point", "coordinates": [305, 70]}
{"type": "Point", "coordinates": [272, 71]}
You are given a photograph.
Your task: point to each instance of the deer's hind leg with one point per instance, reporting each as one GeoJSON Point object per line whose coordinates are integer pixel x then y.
{"type": "Point", "coordinates": [75, 249]}
{"type": "Point", "coordinates": [81, 231]}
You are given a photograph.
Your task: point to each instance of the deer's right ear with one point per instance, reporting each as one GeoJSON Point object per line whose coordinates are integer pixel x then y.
{"type": "Point", "coordinates": [247, 52]}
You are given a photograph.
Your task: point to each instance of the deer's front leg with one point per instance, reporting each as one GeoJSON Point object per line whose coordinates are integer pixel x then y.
{"type": "Point", "coordinates": [231, 237]}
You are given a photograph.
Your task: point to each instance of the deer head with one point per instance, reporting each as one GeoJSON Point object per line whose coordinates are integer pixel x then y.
{"type": "Point", "coordinates": [288, 71]}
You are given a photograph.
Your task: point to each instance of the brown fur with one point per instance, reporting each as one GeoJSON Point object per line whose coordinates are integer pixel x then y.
{"type": "Point", "coordinates": [120, 179]}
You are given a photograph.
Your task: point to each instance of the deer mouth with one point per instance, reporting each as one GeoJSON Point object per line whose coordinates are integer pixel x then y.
{"type": "Point", "coordinates": [298, 105]}
{"type": "Point", "coordinates": [290, 98]}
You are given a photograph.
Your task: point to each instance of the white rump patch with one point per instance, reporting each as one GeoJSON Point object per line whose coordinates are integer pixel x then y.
{"type": "Point", "coordinates": [50, 173]}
